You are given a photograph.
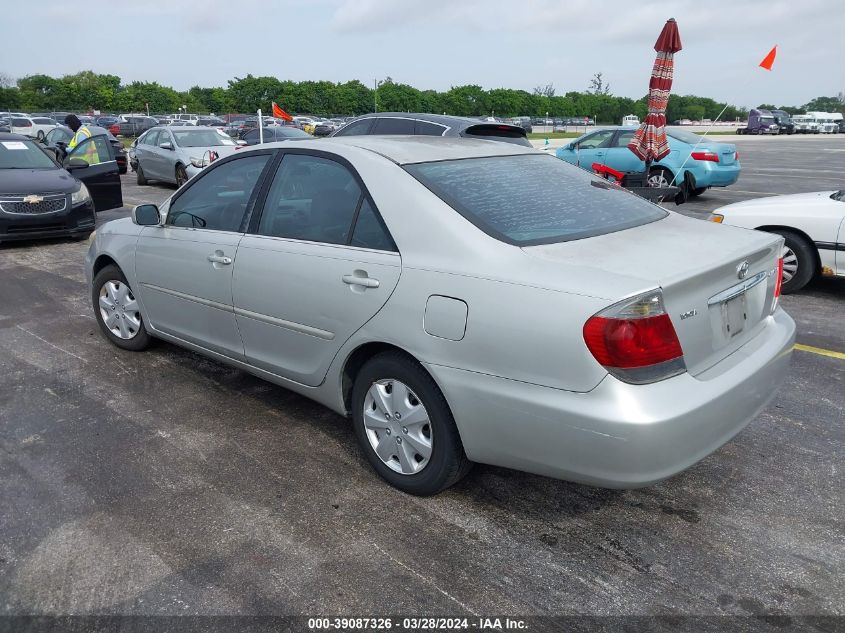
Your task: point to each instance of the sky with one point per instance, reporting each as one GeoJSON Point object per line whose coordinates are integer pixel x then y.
{"type": "Point", "coordinates": [436, 44]}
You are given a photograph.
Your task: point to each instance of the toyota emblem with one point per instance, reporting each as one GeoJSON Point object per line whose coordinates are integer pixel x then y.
{"type": "Point", "coordinates": [742, 270]}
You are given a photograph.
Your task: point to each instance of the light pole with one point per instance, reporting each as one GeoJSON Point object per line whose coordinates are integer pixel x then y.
{"type": "Point", "coordinates": [376, 84]}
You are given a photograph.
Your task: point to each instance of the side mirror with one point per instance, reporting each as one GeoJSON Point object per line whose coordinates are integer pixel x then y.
{"type": "Point", "coordinates": [571, 147]}
{"type": "Point", "coordinates": [241, 142]}
{"type": "Point", "coordinates": [146, 215]}
{"type": "Point", "coordinates": [166, 145]}
{"type": "Point", "coordinates": [72, 164]}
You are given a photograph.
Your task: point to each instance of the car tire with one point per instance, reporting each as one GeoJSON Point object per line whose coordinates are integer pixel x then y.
{"type": "Point", "coordinates": [131, 333]}
{"type": "Point", "coordinates": [181, 175]}
{"type": "Point", "coordinates": [139, 174]}
{"type": "Point", "coordinates": [800, 259]}
{"type": "Point", "coordinates": [659, 177]}
{"type": "Point", "coordinates": [697, 192]}
{"type": "Point", "coordinates": [446, 462]}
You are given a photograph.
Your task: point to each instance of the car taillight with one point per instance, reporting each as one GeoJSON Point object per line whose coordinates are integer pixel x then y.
{"type": "Point", "coordinates": [736, 155]}
{"type": "Point", "coordinates": [709, 156]}
{"type": "Point", "coordinates": [778, 284]}
{"type": "Point", "coordinates": [635, 340]}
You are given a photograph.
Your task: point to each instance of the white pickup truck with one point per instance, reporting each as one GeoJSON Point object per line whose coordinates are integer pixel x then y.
{"type": "Point", "coordinates": [805, 124]}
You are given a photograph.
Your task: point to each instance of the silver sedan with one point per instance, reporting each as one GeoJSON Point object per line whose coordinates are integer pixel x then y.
{"type": "Point", "coordinates": [462, 301]}
{"type": "Point", "coordinates": [176, 154]}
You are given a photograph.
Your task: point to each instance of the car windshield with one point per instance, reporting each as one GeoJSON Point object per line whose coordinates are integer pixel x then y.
{"type": "Point", "coordinates": [533, 199]}
{"type": "Point", "coordinates": [16, 154]}
{"type": "Point", "coordinates": [201, 138]}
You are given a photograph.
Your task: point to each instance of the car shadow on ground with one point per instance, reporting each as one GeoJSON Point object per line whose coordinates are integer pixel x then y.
{"type": "Point", "coordinates": [492, 491]}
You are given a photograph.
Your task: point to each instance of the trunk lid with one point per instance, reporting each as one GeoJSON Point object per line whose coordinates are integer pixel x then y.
{"type": "Point", "coordinates": [718, 281]}
{"type": "Point", "coordinates": [725, 151]}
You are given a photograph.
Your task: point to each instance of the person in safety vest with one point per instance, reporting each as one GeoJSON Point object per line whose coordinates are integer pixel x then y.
{"type": "Point", "coordinates": [81, 133]}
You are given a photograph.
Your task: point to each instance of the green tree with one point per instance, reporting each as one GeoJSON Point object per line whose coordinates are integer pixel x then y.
{"type": "Point", "coordinates": [694, 112]}
{"type": "Point", "coordinates": [598, 86]}
{"type": "Point", "coordinates": [826, 104]}
{"type": "Point", "coordinates": [139, 94]}
{"type": "Point", "coordinates": [250, 93]}
{"type": "Point", "coordinates": [214, 100]}
{"type": "Point", "coordinates": [468, 100]}
{"type": "Point", "coordinates": [39, 92]}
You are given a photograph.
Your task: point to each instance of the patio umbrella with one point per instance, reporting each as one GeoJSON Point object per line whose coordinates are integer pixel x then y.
{"type": "Point", "coordinates": [650, 142]}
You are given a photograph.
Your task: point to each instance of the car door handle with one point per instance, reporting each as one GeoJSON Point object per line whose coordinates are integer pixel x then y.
{"type": "Point", "coordinates": [220, 259]}
{"type": "Point", "coordinates": [355, 280]}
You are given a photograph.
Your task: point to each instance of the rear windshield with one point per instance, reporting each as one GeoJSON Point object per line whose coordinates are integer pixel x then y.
{"type": "Point", "coordinates": [23, 155]}
{"type": "Point", "coordinates": [686, 137]}
{"type": "Point", "coordinates": [533, 199]}
{"type": "Point", "coordinates": [494, 132]}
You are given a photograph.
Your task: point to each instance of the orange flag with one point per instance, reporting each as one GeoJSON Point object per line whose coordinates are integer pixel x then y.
{"type": "Point", "coordinates": [769, 59]}
{"type": "Point", "coordinates": [281, 114]}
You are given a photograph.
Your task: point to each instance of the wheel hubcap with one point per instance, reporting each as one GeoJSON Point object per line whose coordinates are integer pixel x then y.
{"type": "Point", "coordinates": [658, 180]}
{"type": "Point", "coordinates": [397, 426]}
{"type": "Point", "coordinates": [119, 310]}
{"type": "Point", "coordinates": [790, 264]}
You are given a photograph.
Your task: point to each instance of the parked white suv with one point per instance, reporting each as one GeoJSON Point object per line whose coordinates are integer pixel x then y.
{"type": "Point", "coordinates": [186, 119]}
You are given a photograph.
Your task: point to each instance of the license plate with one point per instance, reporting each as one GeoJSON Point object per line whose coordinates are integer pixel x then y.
{"type": "Point", "coordinates": [734, 315]}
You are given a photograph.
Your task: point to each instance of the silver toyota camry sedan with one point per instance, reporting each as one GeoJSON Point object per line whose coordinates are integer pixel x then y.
{"type": "Point", "coordinates": [461, 301]}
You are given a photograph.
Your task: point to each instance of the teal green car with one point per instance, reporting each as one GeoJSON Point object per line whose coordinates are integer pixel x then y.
{"type": "Point", "coordinates": [711, 164]}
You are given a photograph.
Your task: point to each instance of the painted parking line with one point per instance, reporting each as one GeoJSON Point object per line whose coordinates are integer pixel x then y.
{"type": "Point", "coordinates": [820, 351]}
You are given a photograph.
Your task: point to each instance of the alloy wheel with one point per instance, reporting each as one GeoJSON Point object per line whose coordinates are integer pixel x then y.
{"type": "Point", "coordinates": [398, 426]}
{"type": "Point", "coordinates": [658, 179]}
{"type": "Point", "coordinates": [119, 309]}
{"type": "Point", "coordinates": [790, 264]}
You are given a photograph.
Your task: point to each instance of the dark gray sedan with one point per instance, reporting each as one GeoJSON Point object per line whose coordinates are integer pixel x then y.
{"type": "Point", "coordinates": [418, 124]}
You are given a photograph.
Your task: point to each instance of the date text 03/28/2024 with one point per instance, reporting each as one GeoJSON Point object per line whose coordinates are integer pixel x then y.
{"type": "Point", "coordinates": [416, 623]}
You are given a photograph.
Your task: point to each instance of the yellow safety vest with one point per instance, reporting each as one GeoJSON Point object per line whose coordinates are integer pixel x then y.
{"type": "Point", "coordinates": [90, 155]}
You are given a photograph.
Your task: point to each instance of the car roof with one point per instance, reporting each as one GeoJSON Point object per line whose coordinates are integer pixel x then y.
{"type": "Point", "coordinates": [8, 136]}
{"type": "Point", "coordinates": [405, 150]}
{"type": "Point", "coordinates": [458, 122]}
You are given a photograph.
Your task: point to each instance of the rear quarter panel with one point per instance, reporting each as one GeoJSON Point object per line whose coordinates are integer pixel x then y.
{"type": "Point", "coordinates": [513, 331]}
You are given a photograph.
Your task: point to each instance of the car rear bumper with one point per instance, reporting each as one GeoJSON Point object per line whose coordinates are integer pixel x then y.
{"type": "Point", "coordinates": [713, 175]}
{"type": "Point", "coordinates": [78, 220]}
{"type": "Point", "coordinates": [617, 435]}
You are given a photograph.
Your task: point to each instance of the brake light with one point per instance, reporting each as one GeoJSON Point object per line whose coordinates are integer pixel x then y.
{"type": "Point", "coordinates": [736, 155]}
{"type": "Point", "coordinates": [778, 284]}
{"type": "Point", "coordinates": [708, 156]}
{"type": "Point", "coordinates": [635, 340]}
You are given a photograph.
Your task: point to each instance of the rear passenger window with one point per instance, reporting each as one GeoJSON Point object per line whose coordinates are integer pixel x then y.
{"type": "Point", "coordinates": [312, 199]}
{"type": "Point", "coordinates": [393, 126]}
{"type": "Point", "coordinates": [429, 129]}
{"type": "Point", "coordinates": [356, 128]}
{"type": "Point", "coordinates": [370, 232]}
{"type": "Point", "coordinates": [218, 200]}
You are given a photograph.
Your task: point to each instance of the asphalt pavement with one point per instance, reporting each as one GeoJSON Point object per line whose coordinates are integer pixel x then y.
{"type": "Point", "coordinates": [163, 483]}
